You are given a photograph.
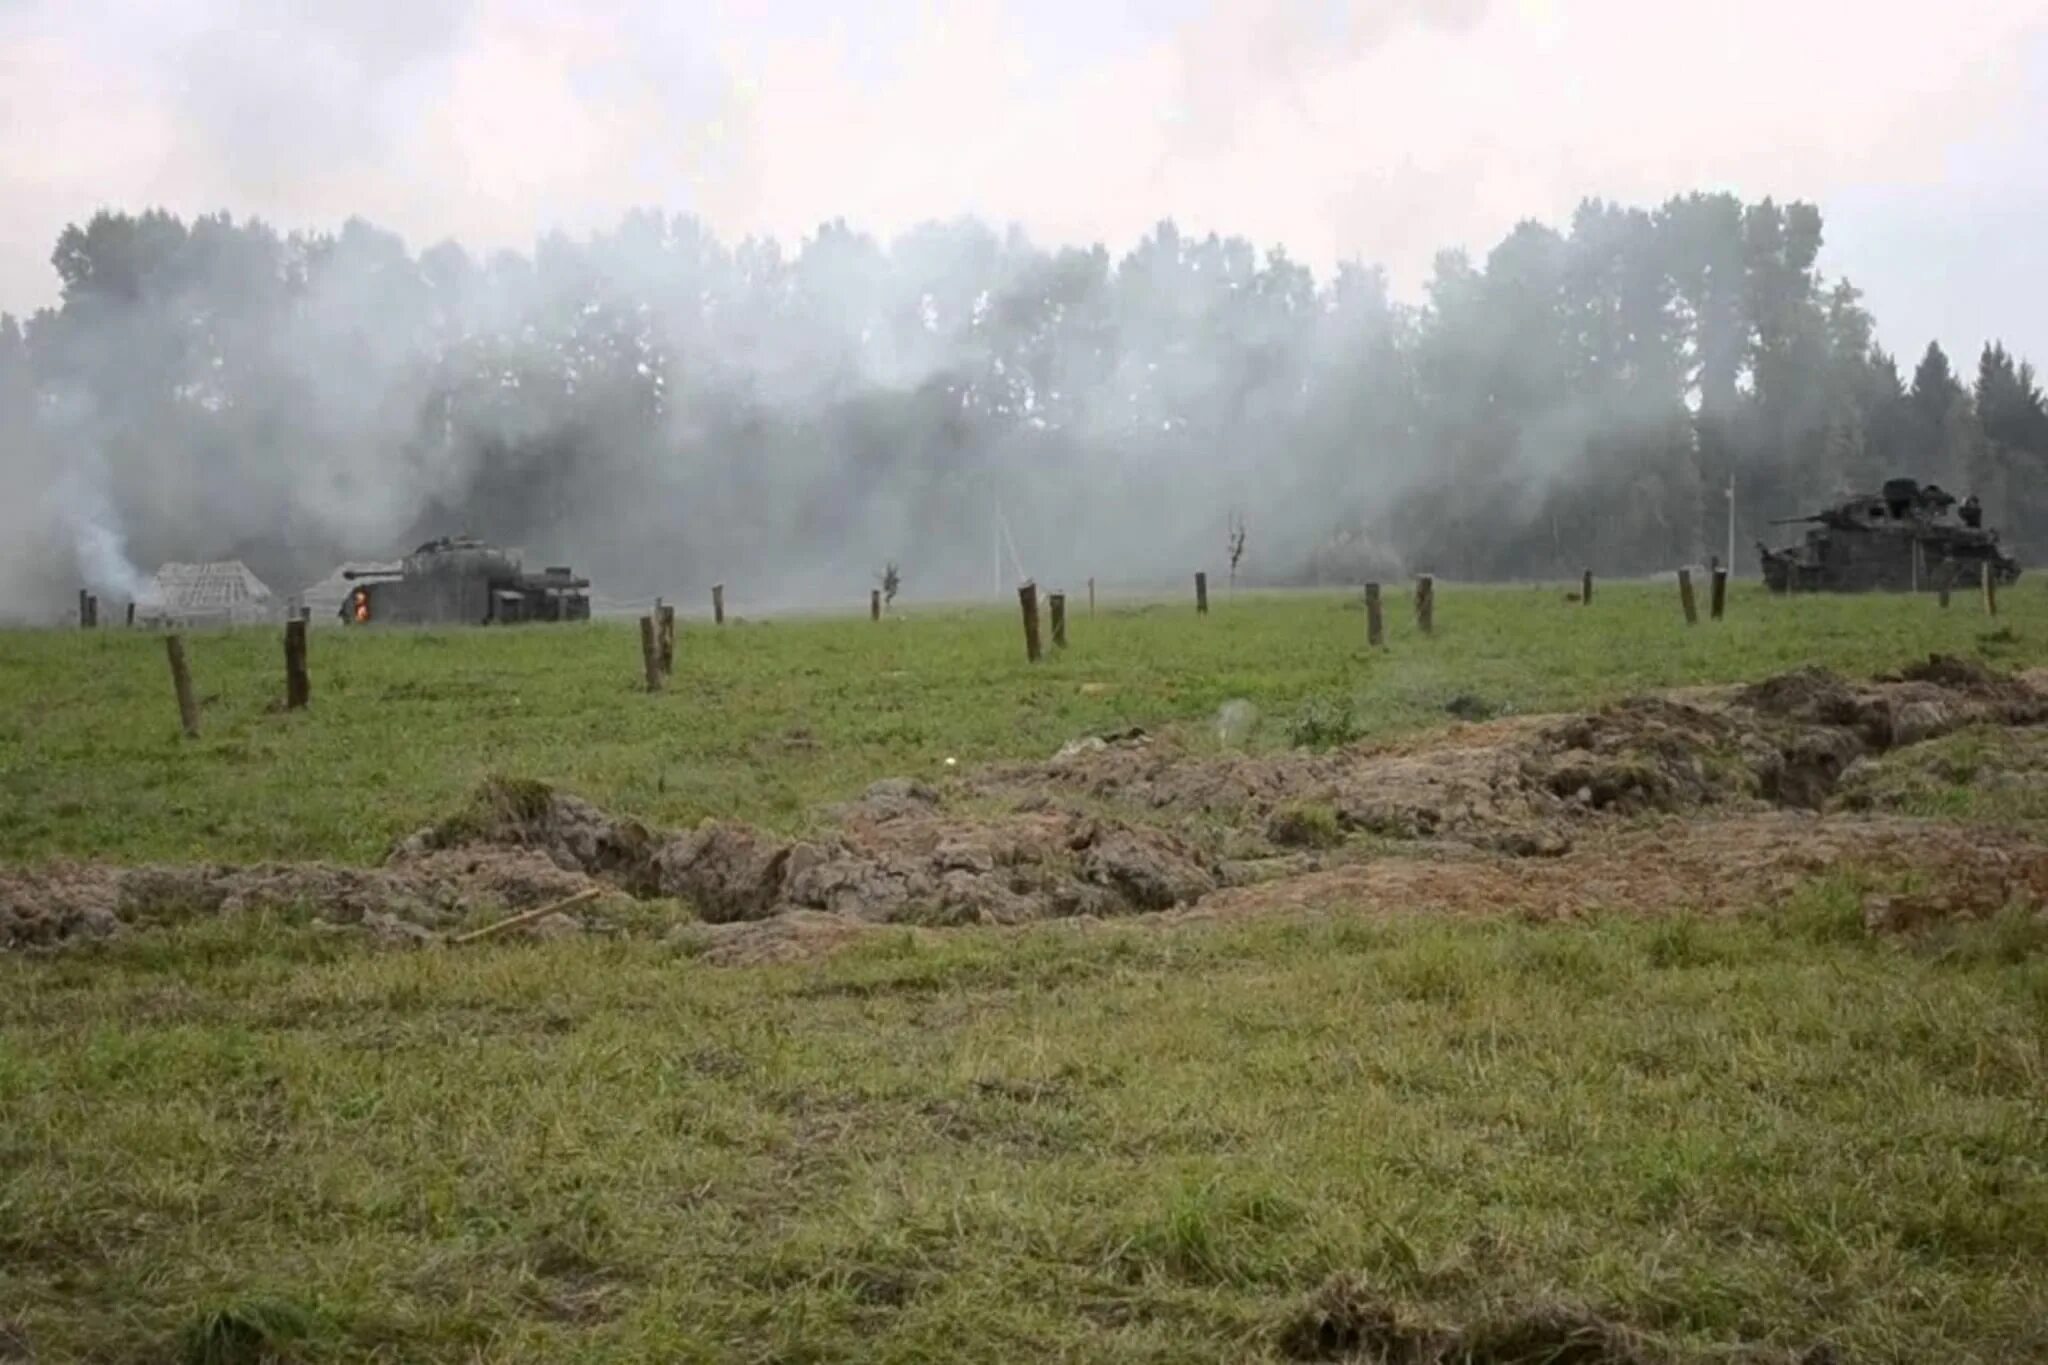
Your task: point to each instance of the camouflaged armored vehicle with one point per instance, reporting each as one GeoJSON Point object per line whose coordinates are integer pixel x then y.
{"type": "Point", "coordinates": [458, 580]}
{"type": "Point", "coordinates": [1912, 537]}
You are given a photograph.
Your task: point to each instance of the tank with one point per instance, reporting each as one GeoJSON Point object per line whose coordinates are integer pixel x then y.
{"type": "Point", "coordinates": [1908, 537]}
{"type": "Point", "coordinates": [459, 580]}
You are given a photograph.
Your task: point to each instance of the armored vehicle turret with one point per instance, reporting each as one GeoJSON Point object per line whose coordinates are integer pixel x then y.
{"type": "Point", "coordinates": [1911, 537]}
{"type": "Point", "coordinates": [459, 580]}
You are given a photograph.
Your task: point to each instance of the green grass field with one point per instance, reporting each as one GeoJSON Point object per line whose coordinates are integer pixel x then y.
{"type": "Point", "coordinates": [763, 722]}
{"type": "Point", "coordinates": [246, 1138]}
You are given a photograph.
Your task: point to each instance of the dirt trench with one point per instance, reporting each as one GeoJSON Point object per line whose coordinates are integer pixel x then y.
{"type": "Point", "coordinates": [1539, 814]}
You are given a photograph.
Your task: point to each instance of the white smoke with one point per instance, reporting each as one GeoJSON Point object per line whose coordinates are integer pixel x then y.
{"type": "Point", "coordinates": [78, 502]}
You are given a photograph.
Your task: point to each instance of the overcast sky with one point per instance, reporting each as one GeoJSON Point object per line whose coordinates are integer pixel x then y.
{"type": "Point", "coordinates": [1376, 130]}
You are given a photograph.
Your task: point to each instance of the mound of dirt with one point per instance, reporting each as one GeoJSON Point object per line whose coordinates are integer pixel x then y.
{"type": "Point", "coordinates": [427, 890]}
{"type": "Point", "coordinates": [1346, 1321]}
{"type": "Point", "coordinates": [1165, 828]}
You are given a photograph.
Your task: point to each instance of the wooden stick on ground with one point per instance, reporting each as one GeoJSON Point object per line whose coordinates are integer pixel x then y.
{"type": "Point", "coordinates": [525, 916]}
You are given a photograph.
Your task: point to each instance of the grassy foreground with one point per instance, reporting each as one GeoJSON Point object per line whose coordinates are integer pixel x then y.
{"type": "Point", "coordinates": [763, 722]}
{"type": "Point", "coordinates": [242, 1139]}
{"type": "Point", "coordinates": [1120, 1144]}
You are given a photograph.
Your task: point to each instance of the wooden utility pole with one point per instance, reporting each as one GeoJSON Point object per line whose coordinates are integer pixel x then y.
{"type": "Point", "coordinates": [1990, 591]}
{"type": "Point", "coordinates": [1586, 588]}
{"type": "Point", "coordinates": [1685, 599]}
{"type": "Point", "coordinates": [1717, 597]}
{"type": "Point", "coordinates": [1027, 602]}
{"type": "Point", "coordinates": [1425, 603]}
{"type": "Point", "coordinates": [181, 683]}
{"type": "Point", "coordinates": [1201, 594]}
{"type": "Point", "coordinates": [298, 687]}
{"type": "Point", "coordinates": [718, 604]}
{"type": "Point", "coordinates": [665, 638]}
{"type": "Point", "coordinates": [650, 656]}
{"type": "Point", "coordinates": [1375, 618]}
{"type": "Point", "coordinates": [1058, 604]}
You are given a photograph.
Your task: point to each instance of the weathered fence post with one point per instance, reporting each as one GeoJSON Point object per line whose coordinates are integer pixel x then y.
{"type": "Point", "coordinates": [874, 604]}
{"type": "Point", "coordinates": [1685, 599]}
{"type": "Point", "coordinates": [1425, 603]}
{"type": "Point", "coordinates": [1375, 619]}
{"type": "Point", "coordinates": [1586, 588]}
{"type": "Point", "coordinates": [1091, 597]}
{"type": "Point", "coordinates": [718, 604]}
{"type": "Point", "coordinates": [650, 656]}
{"type": "Point", "coordinates": [92, 610]}
{"type": "Point", "coordinates": [1942, 582]}
{"type": "Point", "coordinates": [298, 687]}
{"type": "Point", "coordinates": [181, 683]}
{"type": "Point", "coordinates": [1027, 602]}
{"type": "Point", "coordinates": [1201, 594]}
{"type": "Point", "coordinates": [665, 638]}
{"type": "Point", "coordinates": [1718, 595]}
{"type": "Point", "coordinates": [84, 609]}
{"type": "Point", "coordinates": [1990, 591]}
{"type": "Point", "coordinates": [131, 614]}
{"type": "Point", "coordinates": [1058, 604]}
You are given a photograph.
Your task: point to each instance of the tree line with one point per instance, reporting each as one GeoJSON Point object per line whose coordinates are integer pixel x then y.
{"type": "Point", "coordinates": [662, 403]}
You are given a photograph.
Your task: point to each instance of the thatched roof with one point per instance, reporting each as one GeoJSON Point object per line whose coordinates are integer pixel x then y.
{"type": "Point", "coordinates": [223, 590]}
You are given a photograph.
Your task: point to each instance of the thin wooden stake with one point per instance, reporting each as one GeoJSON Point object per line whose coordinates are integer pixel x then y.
{"type": "Point", "coordinates": [1201, 594]}
{"type": "Point", "coordinates": [1027, 602]}
{"type": "Point", "coordinates": [298, 687]}
{"type": "Point", "coordinates": [874, 604]}
{"type": "Point", "coordinates": [1943, 582]}
{"type": "Point", "coordinates": [181, 682]}
{"type": "Point", "coordinates": [1425, 603]}
{"type": "Point", "coordinates": [526, 916]}
{"type": "Point", "coordinates": [1692, 613]}
{"type": "Point", "coordinates": [1586, 588]}
{"type": "Point", "coordinates": [1717, 596]}
{"type": "Point", "coordinates": [1990, 591]}
{"type": "Point", "coordinates": [718, 604]}
{"type": "Point", "coordinates": [1375, 617]}
{"type": "Point", "coordinates": [650, 655]}
{"type": "Point", "coordinates": [665, 638]}
{"type": "Point", "coordinates": [1091, 597]}
{"type": "Point", "coordinates": [84, 609]}
{"type": "Point", "coordinates": [131, 615]}
{"type": "Point", "coordinates": [1058, 604]}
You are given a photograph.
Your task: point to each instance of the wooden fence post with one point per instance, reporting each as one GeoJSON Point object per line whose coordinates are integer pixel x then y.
{"type": "Point", "coordinates": [718, 604]}
{"type": "Point", "coordinates": [1027, 601]}
{"type": "Point", "coordinates": [1586, 588]}
{"type": "Point", "coordinates": [298, 687]}
{"type": "Point", "coordinates": [181, 683]}
{"type": "Point", "coordinates": [1375, 618]}
{"type": "Point", "coordinates": [1685, 599]}
{"type": "Point", "coordinates": [1201, 594]}
{"type": "Point", "coordinates": [650, 657]}
{"type": "Point", "coordinates": [131, 615]}
{"type": "Point", "coordinates": [84, 609]}
{"type": "Point", "coordinates": [1718, 595]}
{"type": "Point", "coordinates": [1091, 597]}
{"type": "Point", "coordinates": [1425, 603]}
{"type": "Point", "coordinates": [874, 604]}
{"type": "Point", "coordinates": [1990, 591]}
{"type": "Point", "coordinates": [1942, 582]}
{"type": "Point", "coordinates": [1058, 604]}
{"type": "Point", "coordinates": [665, 638]}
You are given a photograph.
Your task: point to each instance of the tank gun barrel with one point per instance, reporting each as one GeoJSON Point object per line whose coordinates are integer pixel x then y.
{"type": "Point", "coordinates": [1798, 521]}
{"type": "Point", "coordinates": [353, 574]}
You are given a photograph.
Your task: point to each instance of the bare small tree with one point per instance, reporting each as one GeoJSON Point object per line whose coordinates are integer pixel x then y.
{"type": "Point", "coordinates": [1236, 546]}
{"type": "Point", "coordinates": [891, 581]}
